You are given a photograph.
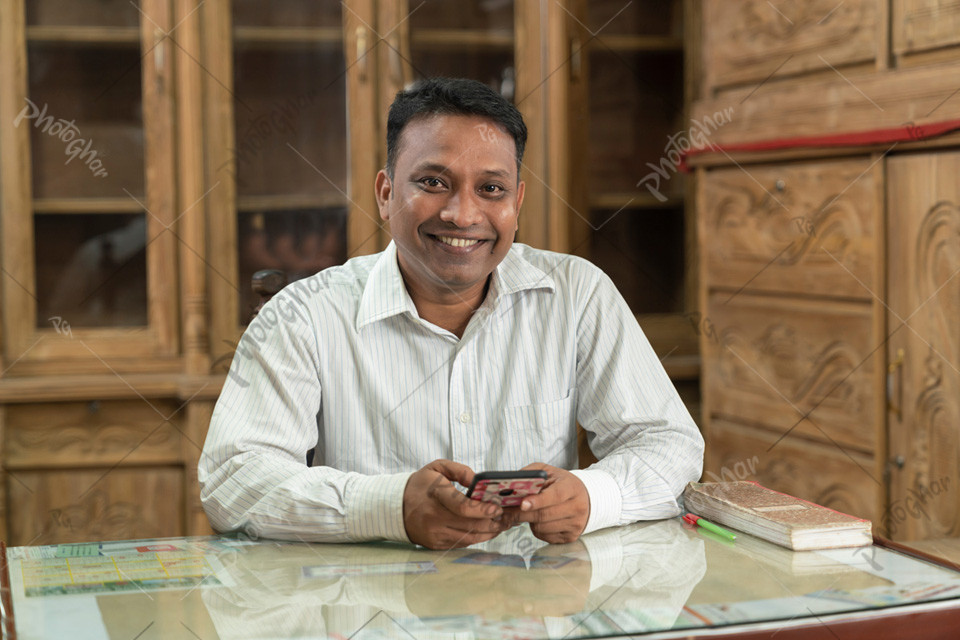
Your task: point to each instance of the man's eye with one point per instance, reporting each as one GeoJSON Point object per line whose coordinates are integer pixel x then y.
{"type": "Point", "coordinates": [433, 183]}
{"type": "Point", "coordinates": [492, 188]}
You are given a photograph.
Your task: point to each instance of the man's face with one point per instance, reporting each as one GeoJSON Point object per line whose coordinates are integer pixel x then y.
{"type": "Point", "coordinates": [453, 202]}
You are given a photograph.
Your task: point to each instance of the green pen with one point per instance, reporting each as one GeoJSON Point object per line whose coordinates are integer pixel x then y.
{"type": "Point", "coordinates": [709, 526]}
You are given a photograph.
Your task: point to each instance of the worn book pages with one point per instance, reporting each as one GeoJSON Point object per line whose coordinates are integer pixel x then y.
{"type": "Point", "coordinates": [780, 518]}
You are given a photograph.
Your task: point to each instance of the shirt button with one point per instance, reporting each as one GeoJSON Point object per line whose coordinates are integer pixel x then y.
{"type": "Point", "coordinates": [464, 417]}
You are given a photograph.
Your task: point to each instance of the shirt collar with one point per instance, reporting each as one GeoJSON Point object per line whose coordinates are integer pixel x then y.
{"type": "Point", "coordinates": [385, 295]}
{"type": "Point", "coordinates": [515, 274]}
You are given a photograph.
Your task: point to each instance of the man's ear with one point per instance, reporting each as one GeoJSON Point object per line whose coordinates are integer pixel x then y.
{"type": "Point", "coordinates": [521, 189]}
{"type": "Point", "coordinates": [383, 187]}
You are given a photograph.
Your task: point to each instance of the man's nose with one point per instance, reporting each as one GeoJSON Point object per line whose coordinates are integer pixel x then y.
{"type": "Point", "coordinates": [462, 210]}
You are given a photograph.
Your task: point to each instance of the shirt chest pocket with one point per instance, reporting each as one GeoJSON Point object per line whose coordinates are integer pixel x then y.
{"type": "Point", "coordinates": [543, 432]}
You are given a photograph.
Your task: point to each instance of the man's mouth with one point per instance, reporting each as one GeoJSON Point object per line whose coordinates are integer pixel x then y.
{"type": "Point", "coordinates": [457, 242]}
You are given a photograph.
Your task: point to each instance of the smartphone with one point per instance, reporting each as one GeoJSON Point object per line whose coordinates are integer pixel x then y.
{"type": "Point", "coordinates": [506, 488]}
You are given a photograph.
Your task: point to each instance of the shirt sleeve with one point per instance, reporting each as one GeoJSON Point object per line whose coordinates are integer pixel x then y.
{"type": "Point", "coordinates": [252, 472]}
{"type": "Point", "coordinates": [647, 444]}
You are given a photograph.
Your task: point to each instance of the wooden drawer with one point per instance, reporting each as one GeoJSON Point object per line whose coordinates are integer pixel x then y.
{"type": "Point", "coordinates": [747, 40]}
{"type": "Point", "coordinates": [769, 361]}
{"type": "Point", "coordinates": [810, 228]}
{"type": "Point", "coordinates": [825, 474]}
{"type": "Point", "coordinates": [923, 25]}
{"type": "Point", "coordinates": [49, 507]}
{"type": "Point", "coordinates": [83, 434]}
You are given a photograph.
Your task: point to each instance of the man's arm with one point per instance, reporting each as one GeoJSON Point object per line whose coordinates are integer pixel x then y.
{"type": "Point", "coordinates": [253, 474]}
{"type": "Point", "coordinates": [647, 444]}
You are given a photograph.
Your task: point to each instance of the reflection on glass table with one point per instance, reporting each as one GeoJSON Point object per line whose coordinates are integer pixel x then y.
{"type": "Point", "coordinates": [630, 580]}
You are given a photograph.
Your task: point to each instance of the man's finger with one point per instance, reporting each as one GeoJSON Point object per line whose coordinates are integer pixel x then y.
{"type": "Point", "coordinates": [457, 503]}
{"type": "Point", "coordinates": [453, 471]}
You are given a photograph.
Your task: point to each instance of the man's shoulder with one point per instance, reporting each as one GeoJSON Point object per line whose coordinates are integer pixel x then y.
{"type": "Point", "coordinates": [564, 269]}
{"type": "Point", "coordinates": [338, 283]}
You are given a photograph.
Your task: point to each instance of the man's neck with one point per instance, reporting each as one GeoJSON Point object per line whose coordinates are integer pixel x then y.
{"type": "Point", "coordinates": [449, 309]}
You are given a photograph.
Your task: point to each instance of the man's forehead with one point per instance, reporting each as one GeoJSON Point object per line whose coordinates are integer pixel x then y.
{"type": "Point", "coordinates": [426, 133]}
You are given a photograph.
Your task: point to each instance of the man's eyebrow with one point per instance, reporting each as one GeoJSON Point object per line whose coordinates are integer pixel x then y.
{"type": "Point", "coordinates": [497, 173]}
{"type": "Point", "coordinates": [435, 167]}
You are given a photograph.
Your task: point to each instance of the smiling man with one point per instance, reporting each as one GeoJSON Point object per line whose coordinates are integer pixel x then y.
{"type": "Point", "coordinates": [453, 351]}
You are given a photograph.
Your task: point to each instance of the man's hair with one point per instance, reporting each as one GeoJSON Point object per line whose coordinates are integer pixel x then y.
{"type": "Point", "coordinates": [451, 96]}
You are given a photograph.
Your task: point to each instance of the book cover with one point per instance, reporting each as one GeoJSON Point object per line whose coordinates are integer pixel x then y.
{"type": "Point", "coordinates": [780, 518]}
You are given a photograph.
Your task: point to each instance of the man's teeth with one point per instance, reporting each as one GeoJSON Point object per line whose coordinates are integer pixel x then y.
{"type": "Point", "coordinates": [457, 242]}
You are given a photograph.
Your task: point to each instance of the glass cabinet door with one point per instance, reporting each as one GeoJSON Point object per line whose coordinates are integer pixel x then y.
{"type": "Point", "coordinates": [281, 114]}
{"type": "Point", "coordinates": [83, 221]}
{"type": "Point", "coordinates": [473, 39]}
{"type": "Point", "coordinates": [497, 43]}
{"type": "Point", "coordinates": [290, 115]}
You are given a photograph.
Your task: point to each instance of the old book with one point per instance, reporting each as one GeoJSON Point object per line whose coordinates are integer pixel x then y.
{"type": "Point", "coordinates": [780, 518]}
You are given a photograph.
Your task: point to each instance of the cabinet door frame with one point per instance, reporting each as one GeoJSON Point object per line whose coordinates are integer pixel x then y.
{"type": "Point", "coordinates": [217, 131]}
{"type": "Point", "coordinates": [35, 349]}
{"type": "Point", "coordinates": [922, 401]}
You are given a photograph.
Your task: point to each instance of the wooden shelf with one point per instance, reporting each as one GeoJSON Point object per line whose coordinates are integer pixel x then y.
{"type": "Point", "coordinates": [634, 200]}
{"type": "Point", "coordinates": [86, 205]}
{"type": "Point", "coordinates": [109, 387]}
{"type": "Point", "coordinates": [288, 35]}
{"type": "Point", "coordinates": [287, 202]}
{"type": "Point", "coordinates": [45, 34]}
{"type": "Point", "coordinates": [635, 44]}
{"type": "Point", "coordinates": [461, 39]}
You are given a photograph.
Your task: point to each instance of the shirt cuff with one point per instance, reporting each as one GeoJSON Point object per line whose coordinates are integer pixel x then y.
{"type": "Point", "coordinates": [374, 507]}
{"type": "Point", "coordinates": [605, 499]}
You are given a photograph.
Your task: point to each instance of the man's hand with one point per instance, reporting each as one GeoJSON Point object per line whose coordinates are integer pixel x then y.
{"type": "Point", "coordinates": [438, 516]}
{"type": "Point", "coordinates": [559, 512]}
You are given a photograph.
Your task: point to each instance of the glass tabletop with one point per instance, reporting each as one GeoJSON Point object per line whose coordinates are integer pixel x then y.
{"type": "Point", "coordinates": [630, 580]}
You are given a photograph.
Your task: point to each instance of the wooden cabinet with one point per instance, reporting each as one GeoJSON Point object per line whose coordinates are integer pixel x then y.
{"type": "Point", "coordinates": [924, 347]}
{"type": "Point", "coordinates": [154, 155]}
{"type": "Point", "coordinates": [626, 198]}
{"type": "Point", "coordinates": [830, 245]}
{"type": "Point", "coordinates": [747, 41]}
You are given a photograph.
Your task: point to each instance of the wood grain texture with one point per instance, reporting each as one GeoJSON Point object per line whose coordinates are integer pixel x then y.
{"type": "Point", "coordinates": [4, 477]}
{"type": "Point", "coordinates": [834, 477]}
{"type": "Point", "coordinates": [748, 40]}
{"type": "Point", "coordinates": [221, 159]}
{"type": "Point", "coordinates": [160, 179]}
{"type": "Point", "coordinates": [831, 104]}
{"type": "Point", "coordinates": [809, 229]}
{"type": "Point", "coordinates": [197, 416]}
{"type": "Point", "coordinates": [91, 434]}
{"type": "Point", "coordinates": [192, 188]}
{"type": "Point", "coordinates": [18, 310]}
{"type": "Point", "coordinates": [364, 233]}
{"type": "Point", "coordinates": [771, 361]}
{"type": "Point", "coordinates": [95, 504]}
{"type": "Point", "coordinates": [924, 253]}
{"type": "Point", "coordinates": [924, 25]}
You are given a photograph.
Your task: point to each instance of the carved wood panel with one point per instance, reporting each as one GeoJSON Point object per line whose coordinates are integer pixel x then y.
{"type": "Point", "coordinates": [84, 434]}
{"type": "Point", "coordinates": [922, 25]}
{"type": "Point", "coordinates": [924, 320]}
{"type": "Point", "coordinates": [842, 480]}
{"type": "Point", "coordinates": [748, 40]}
{"type": "Point", "coordinates": [771, 361]}
{"type": "Point", "coordinates": [95, 504]}
{"type": "Point", "coordinates": [807, 228]}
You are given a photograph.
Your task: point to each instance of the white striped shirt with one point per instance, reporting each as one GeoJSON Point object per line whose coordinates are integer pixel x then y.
{"type": "Point", "coordinates": [341, 361]}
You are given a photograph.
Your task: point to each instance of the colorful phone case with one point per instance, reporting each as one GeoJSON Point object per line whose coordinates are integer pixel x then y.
{"type": "Point", "coordinates": [507, 492]}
